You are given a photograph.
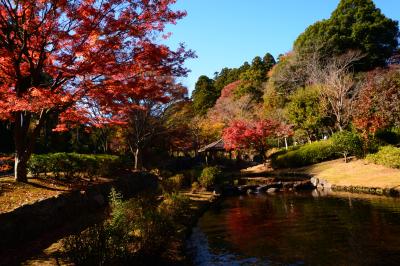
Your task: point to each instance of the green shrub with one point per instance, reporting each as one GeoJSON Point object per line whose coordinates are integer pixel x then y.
{"type": "Point", "coordinates": [173, 184]}
{"type": "Point", "coordinates": [389, 136]}
{"type": "Point", "coordinates": [305, 155]}
{"type": "Point", "coordinates": [193, 174]}
{"type": "Point", "coordinates": [347, 143]}
{"type": "Point", "coordinates": [179, 180]}
{"type": "Point", "coordinates": [70, 164]}
{"type": "Point", "coordinates": [195, 186]}
{"type": "Point", "coordinates": [175, 206]}
{"type": "Point", "coordinates": [211, 176]}
{"type": "Point", "coordinates": [97, 245]}
{"type": "Point", "coordinates": [387, 155]}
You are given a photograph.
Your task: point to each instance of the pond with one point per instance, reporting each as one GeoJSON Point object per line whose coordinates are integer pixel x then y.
{"type": "Point", "coordinates": [299, 229]}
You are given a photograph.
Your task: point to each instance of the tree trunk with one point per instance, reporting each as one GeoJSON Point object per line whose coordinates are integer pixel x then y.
{"type": "Point", "coordinates": [20, 170]}
{"type": "Point", "coordinates": [286, 145]}
{"type": "Point", "coordinates": [24, 140]}
{"type": "Point", "coordinates": [137, 159]}
{"type": "Point", "coordinates": [21, 147]}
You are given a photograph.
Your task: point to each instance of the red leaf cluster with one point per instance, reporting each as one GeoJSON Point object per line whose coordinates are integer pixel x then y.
{"type": "Point", "coordinates": [71, 57]}
{"type": "Point", "coordinates": [378, 102]}
{"type": "Point", "coordinates": [250, 135]}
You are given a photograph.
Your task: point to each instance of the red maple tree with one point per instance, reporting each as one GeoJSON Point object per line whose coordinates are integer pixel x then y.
{"type": "Point", "coordinates": [242, 135]}
{"type": "Point", "coordinates": [378, 101]}
{"type": "Point", "coordinates": [87, 61]}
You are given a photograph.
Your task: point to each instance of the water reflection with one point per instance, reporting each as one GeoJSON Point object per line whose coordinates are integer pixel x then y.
{"type": "Point", "coordinates": [297, 229]}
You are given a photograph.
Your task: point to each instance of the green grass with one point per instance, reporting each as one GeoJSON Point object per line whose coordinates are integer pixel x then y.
{"type": "Point", "coordinates": [388, 156]}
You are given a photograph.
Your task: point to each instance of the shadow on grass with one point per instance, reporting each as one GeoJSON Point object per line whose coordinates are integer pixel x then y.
{"type": "Point", "coordinates": [46, 187]}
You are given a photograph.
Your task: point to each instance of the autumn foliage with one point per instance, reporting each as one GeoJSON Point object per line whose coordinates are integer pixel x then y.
{"type": "Point", "coordinates": [241, 135]}
{"type": "Point", "coordinates": [86, 61]}
{"type": "Point", "coordinates": [378, 102]}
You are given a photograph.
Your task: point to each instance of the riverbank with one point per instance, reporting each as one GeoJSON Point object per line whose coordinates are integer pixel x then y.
{"type": "Point", "coordinates": [28, 230]}
{"type": "Point", "coordinates": [354, 176]}
{"type": "Point", "coordinates": [176, 253]}
{"type": "Point", "coordinates": [199, 203]}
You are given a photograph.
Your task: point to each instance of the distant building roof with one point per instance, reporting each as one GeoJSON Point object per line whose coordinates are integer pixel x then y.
{"type": "Point", "coordinates": [215, 146]}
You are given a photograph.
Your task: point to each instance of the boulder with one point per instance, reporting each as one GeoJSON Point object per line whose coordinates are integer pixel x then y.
{"type": "Point", "coordinates": [323, 184]}
{"type": "Point", "coordinates": [250, 191]}
{"type": "Point", "coordinates": [314, 181]}
{"type": "Point", "coordinates": [272, 190]}
{"type": "Point", "coordinates": [262, 188]}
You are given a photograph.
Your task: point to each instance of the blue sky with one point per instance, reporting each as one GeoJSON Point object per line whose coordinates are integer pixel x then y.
{"type": "Point", "coordinates": [225, 33]}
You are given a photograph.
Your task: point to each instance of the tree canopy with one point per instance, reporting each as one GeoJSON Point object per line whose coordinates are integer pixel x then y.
{"type": "Point", "coordinates": [87, 61]}
{"type": "Point", "coordinates": [353, 25]}
{"type": "Point", "coordinates": [204, 95]}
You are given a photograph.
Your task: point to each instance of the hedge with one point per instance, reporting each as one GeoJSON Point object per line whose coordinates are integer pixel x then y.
{"type": "Point", "coordinates": [388, 156]}
{"type": "Point", "coordinates": [305, 155]}
{"type": "Point", "coordinates": [72, 164]}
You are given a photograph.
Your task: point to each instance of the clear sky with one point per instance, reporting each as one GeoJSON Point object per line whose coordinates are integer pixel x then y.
{"type": "Point", "coordinates": [225, 33]}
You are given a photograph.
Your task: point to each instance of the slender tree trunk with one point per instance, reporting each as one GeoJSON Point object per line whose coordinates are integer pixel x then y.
{"type": "Point", "coordinates": [137, 159]}
{"type": "Point", "coordinates": [286, 146]}
{"type": "Point", "coordinates": [21, 147]}
{"type": "Point", "coordinates": [340, 127]}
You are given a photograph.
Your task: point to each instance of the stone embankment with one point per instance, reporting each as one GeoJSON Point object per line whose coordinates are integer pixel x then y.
{"type": "Point", "coordinates": [267, 185]}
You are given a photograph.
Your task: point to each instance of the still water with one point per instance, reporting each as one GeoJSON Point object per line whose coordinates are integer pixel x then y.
{"type": "Point", "coordinates": [299, 229]}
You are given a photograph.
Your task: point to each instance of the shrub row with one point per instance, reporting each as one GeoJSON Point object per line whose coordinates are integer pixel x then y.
{"type": "Point", "coordinates": [387, 155]}
{"type": "Point", "coordinates": [343, 143]}
{"type": "Point", "coordinates": [305, 155]}
{"type": "Point", "coordinates": [73, 164]}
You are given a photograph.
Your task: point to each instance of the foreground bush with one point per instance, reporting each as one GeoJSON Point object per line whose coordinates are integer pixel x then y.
{"type": "Point", "coordinates": [173, 184]}
{"type": "Point", "coordinates": [137, 233]}
{"type": "Point", "coordinates": [211, 176]}
{"type": "Point", "coordinates": [71, 164]}
{"type": "Point", "coordinates": [305, 155]}
{"type": "Point", "coordinates": [175, 206]}
{"type": "Point", "coordinates": [388, 156]}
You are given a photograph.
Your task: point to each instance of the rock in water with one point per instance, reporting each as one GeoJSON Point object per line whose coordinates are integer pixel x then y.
{"type": "Point", "coordinates": [314, 181]}
{"type": "Point", "coordinates": [272, 190]}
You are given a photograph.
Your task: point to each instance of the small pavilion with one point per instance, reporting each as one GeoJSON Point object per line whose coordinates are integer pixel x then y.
{"type": "Point", "coordinates": [212, 149]}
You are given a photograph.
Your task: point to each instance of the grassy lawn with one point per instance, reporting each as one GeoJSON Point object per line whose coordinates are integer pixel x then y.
{"type": "Point", "coordinates": [337, 172]}
{"type": "Point", "coordinates": [355, 173]}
